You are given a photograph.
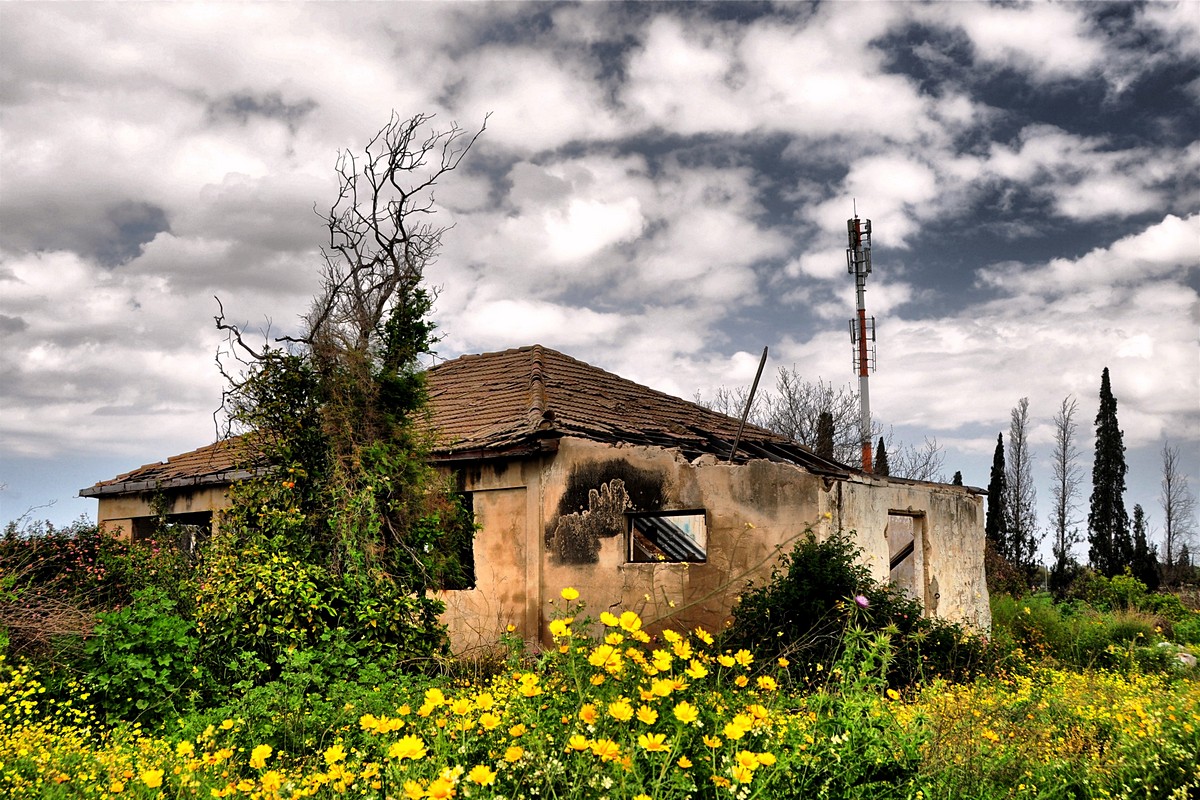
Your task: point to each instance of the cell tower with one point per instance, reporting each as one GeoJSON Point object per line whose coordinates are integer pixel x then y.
{"type": "Point", "coordinates": [862, 329]}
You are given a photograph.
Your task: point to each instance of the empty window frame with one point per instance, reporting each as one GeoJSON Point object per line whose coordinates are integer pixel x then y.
{"type": "Point", "coordinates": [906, 562]}
{"type": "Point", "coordinates": [668, 536]}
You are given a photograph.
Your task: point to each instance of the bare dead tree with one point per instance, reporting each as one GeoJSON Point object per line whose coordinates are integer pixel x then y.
{"type": "Point", "coordinates": [795, 409]}
{"type": "Point", "coordinates": [1023, 531]}
{"type": "Point", "coordinates": [1178, 505]}
{"type": "Point", "coordinates": [1064, 521]}
{"type": "Point", "coordinates": [381, 236]}
{"type": "Point", "coordinates": [923, 462]}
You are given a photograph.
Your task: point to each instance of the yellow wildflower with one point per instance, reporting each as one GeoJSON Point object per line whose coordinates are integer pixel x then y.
{"type": "Point", "coordinates": [513, 753]}
{"type": "Point", "coordinates": [569, 594]}
{"type": "Point", "coordinates": [413, 790]}
{"type": "Point", "coordinates": [407, 747]}
{"type": "Point", "coordinates": [686, 713]}
{"type": "Point", "coordinates": [259, 756]}
{"type": "Point", "coordinates": [606, 749]}
{"type": "Point", "coordinates": [152, 778]}
{"type": "Point", "coordinates": [630, 621]}
{"type": "Point", "coordinates": [441, 789]}
{"type": "Point", "coordinates": [578, 742]}
{"type": "Point", "coordinates": [272, 781]}
{"type": "Point", "coordinates": [653, 742]}
{"type": "Point", "coordinates": [647, 715]}
{"type": "Point", "coordinates": [741, 774]}
{"type": "Point", "coordinates": [482, 775]}
{"type": "Point", "coordinates": [620, 710]}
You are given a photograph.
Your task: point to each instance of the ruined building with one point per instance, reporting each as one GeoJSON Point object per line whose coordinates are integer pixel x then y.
{"type": "Point", "coordinates": [578, 477]}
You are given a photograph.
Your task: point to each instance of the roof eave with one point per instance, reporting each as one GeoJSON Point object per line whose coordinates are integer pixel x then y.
{"type": "Point", "coordinates": [132, 487]}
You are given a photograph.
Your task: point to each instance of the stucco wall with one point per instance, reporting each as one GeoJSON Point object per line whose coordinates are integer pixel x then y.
{"type": "Point", "coordinates": [948, 523]}
{"type": "Point", "coordinates": [550, 522]}
{"type": "Point", "coordinates": [755, 512]}
{"type": "Point", "coordinates": [117, 512]}
{"type": "Point", "coordinates": [506, 498]}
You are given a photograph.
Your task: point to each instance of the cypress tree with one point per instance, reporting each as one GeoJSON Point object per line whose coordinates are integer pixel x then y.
{"type": "Point", "coordinates": [997, 517]}
{"type": "Point", "coordinates": [881, 460]}
{"type": "Point", "coordinates": [1145, 557]}
{"type": "Point", "coordinates": [825, 432]}
{"type": "Point", "coordinates": [957, 480]}
{"type": "Point", "coordinates": [1111, 548]}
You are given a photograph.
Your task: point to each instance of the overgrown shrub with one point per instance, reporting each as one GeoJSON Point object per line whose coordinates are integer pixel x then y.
{"type": "Point", "coordinates": [803, 611]}
{"type": "Point", "coordinates": [142, 661]}
{"type": "Point", "coordinates": [1187, 631]}
{"type": "Point", "coordinates": [1080, 636]}
{"type": "Point", "coordinates": [53, 581]}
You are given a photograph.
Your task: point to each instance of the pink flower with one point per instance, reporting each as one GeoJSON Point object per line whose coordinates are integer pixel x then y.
{"type": "Point", "coordinates": [862, 600]}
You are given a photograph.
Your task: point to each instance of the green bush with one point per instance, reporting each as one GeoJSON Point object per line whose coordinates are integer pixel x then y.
{"type": "Point", "coordinates": [1075, 634]}
{"type": "Point", "coordinates": [818, 590]}
{"type": "Point", "coordinates": [1187, 631]}
{"type": "Point", "coordinates": [1167, 606]}
{"type": "Point", "coordinates": [141, 662]}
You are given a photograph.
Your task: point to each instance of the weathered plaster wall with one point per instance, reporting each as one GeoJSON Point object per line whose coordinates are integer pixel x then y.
{"type": "Point", "coordinates": [117, 512]}
{"type": "Point", "coordinates": [949, 530]}
{"type": "Point", "coordinates": [558, 520]}
{"type": "Point", "coordinates": [753, 511]}
{"type": "Point", "coordinates": [505, 496]}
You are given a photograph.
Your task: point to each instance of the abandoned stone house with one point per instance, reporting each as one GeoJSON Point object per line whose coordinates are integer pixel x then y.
{"type": "Point", "coordinates": [578, 477]}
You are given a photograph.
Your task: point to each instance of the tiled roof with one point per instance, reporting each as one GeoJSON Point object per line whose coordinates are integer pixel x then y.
{"type": "Point", "coordinates": [516, 398]}
{"type": "Point", "coordinates": [212, 464]}
{"type": "Point", "coordinates": [520, 401]}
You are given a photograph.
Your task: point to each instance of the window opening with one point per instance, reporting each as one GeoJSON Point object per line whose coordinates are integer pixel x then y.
{"type": "Point", "coordinates": [465, 579]}
{"type": "Point", "coordinates": [905, 570]}
{"type": "Point", "coordinates": [668, 536]}
{"type": "Point", "coordinates": [186, 532]}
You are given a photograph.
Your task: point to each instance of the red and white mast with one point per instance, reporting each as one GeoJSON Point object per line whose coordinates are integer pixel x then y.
{"type": "Point", "coordinates": [862, 329]}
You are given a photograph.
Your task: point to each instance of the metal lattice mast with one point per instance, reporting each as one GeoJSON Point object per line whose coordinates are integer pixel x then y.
{"type": "Point", "coordinates": [862, 329]}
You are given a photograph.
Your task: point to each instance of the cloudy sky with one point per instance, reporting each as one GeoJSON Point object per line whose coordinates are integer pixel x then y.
{"type": "Point", "coordinates": [662, 190]}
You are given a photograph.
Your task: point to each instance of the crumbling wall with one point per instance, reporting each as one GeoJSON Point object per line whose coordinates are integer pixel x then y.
{"type": "Point", "coordinates": [948, 530]}
{"type": "Point", "coordinates": [752, 512]}
{"type": "Point", "coordinates": [505, 497]}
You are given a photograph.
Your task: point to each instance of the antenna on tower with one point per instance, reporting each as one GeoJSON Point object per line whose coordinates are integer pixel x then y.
{"type": "Point", "coordinates": [862, 329]}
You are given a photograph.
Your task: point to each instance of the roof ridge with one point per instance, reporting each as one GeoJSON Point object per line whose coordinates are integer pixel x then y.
{"type": "Point", "coordinates": [539, 415]}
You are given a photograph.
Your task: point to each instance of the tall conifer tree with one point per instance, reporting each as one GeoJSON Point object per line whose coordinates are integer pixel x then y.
{"type": "Point", "coordinates": [997, 514]}
{"type": "Point", "coordinates": [825, 435]}
{"type": "Point", "coordinates": [1145, 557]}
{"type": "Point", "coordinates": [881, 460]}
{"type": "Point", "coordinates": [1111, 548]}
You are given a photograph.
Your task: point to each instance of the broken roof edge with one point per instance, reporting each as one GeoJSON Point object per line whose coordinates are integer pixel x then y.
{"type": "Point", "coordinates": [103, 489]}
